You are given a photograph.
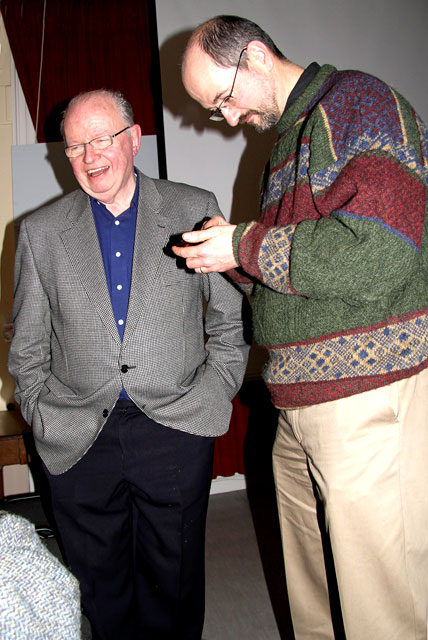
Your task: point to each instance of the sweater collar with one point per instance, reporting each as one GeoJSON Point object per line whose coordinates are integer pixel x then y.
{"type": "Point", "coordinates": [305, 89]}
{"type": "Point", "coordinates": [305, 79]}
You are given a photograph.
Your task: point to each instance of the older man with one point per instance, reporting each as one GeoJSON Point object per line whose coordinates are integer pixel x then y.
{"type": "Point", "coordinates": [113, 371]}
{"type": "Point", "coordinates": [338, 263]}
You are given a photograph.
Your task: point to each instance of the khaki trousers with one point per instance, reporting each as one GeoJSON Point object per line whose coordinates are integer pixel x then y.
{"type": "Point", "coordinates": [366, 459]}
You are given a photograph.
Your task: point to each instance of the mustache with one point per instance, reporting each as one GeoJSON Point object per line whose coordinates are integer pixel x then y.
{"type": "Point", "coordinates": [244, 117]}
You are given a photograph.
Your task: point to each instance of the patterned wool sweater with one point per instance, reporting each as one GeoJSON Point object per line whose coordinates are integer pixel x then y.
{"type": "Point", "coordinates": [338, 263]}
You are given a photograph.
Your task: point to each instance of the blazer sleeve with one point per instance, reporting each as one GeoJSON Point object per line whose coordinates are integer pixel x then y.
{"type": "Point", "coordinates": [227, 343]}
{"type": "Point", "coordinates": [29, 355]}
{"type": "Point", "coordinates": [226, 319]}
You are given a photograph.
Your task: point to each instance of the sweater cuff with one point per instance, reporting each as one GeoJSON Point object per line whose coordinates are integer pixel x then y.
{"type": "Point", "coordinates": [236, 239]}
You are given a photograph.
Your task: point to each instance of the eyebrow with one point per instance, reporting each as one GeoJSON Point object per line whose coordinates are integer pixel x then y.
{"type": "Point", "coordinates": [221, 95]}
{"type": "Point", "coordinates": [100, 135]}
{"type": "Point", "coordinates": [218, 96]}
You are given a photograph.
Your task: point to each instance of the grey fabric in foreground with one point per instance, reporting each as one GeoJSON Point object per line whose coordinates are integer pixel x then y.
{"type": "Point", "coordinates": [39, 597]}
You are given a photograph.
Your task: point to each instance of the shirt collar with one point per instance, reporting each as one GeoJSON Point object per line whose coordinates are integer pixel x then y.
{"type": "Point", "coordinates": [98, 205]}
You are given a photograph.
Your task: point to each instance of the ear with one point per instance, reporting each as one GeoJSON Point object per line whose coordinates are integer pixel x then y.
{"type": "Point", "coordinates": [259, 57]}
{"type": "Point", "coordinates": [136, 138]}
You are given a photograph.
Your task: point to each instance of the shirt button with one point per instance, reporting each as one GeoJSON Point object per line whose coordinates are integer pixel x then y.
{"type": "Point", "coordinates": [118, 254]}
{"type": "Point", "coordinates": [117, 223]}
{"type": "Point", "coordinates": [119, 287]}
{"type": "Point", "coordinates": [105, 413]}
{"type": "Point", "coordinates": [120, 322]}
{"type": "Point", "coordinates": [124, 368]}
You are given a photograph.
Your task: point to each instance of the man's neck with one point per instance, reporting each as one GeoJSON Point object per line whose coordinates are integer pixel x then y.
{"type": "Point", "coordinates": [124, 199]}
{"type": "Point", "coordinates": [288, 73]}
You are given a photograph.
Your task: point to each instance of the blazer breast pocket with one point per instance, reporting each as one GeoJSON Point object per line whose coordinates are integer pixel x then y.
{"type": "Point", "coordinates": [178, 277]}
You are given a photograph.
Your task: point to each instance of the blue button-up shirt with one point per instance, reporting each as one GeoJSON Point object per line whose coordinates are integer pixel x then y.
{"type": "Point", "coordinates": [116, 236]}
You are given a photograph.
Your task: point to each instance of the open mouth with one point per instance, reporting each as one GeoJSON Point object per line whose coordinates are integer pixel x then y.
{"type": "Point", "coordinates": [94, 173]}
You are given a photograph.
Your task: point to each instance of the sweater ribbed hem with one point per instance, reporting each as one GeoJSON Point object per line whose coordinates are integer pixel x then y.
{"type": "Point", "coordinates": [296, 396]}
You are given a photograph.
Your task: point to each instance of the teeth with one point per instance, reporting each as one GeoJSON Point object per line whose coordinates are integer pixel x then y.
{"type": "Point", "coordinates": [93, 172]}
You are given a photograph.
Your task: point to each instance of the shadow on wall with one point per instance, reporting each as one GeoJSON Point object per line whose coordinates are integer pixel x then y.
{"type": "Point", "coordinates": [245, 203]}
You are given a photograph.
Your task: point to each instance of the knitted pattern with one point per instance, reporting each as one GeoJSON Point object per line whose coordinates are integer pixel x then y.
{"type": "Point", "coordinates": [338, 262]}
{"type": "Point", "coordinates": [39, 598]}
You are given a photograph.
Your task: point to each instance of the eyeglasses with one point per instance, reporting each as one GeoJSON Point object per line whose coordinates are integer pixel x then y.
{"type": "Point", "coordinates": [101, 142]}
{"type": "Point", "coordinates": [217, 114]}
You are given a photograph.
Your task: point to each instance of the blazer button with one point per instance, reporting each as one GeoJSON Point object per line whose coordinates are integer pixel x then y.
{"type": "Point", "coordinates": [124, 368]}
{"type": "Point", "coordinates": [105, 413]}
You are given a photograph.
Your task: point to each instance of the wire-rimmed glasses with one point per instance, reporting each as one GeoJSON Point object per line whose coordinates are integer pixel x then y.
{"type": "Point", "coordinates": [100, 142]}
{"type": "Point", "coordinates": [217, 114]}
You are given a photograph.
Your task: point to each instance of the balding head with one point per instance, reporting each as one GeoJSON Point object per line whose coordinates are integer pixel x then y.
{"type": "Point", "coordinates": [117, 99]}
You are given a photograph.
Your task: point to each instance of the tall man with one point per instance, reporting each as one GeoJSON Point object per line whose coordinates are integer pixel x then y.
{"type": "Point", "coordinates": [112, 370]}
{"type": "Point", "coordinates": [338, 264]}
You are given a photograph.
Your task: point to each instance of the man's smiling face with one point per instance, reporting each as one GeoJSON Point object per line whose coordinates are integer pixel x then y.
{"type": "Point", "coordinates": [106, 174]}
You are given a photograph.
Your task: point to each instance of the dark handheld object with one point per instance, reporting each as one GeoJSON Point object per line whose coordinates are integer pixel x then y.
{"type": "Point", "coordinates": [183, 243]}
{"type": "Point", "coordinates": [176, 241]}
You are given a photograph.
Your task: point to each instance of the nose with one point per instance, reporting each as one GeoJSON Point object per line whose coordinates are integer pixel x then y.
{"type": "Point", "coordinates": [231, 115]}
{"type": "Point", "coordinates": [89, 153]}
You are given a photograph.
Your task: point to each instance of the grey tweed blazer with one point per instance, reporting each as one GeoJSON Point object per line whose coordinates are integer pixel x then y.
{"type": "Point", "coordinates": [66, 356]}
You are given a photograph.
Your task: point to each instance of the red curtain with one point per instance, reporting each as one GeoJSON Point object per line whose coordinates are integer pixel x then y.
{"type": "Point", "coordinates": [69, 46]}
{"type": "Point", "coordinates": [229, 449]}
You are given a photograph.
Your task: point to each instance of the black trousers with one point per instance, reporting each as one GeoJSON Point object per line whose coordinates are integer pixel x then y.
{"type": "Point", "coordinates": [131, 516]}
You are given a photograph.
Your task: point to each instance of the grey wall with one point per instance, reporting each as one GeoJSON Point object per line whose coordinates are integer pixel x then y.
{"type": "Point", "coordinates": [387, 38]}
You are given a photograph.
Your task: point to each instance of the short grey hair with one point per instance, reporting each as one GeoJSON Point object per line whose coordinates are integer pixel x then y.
{"type": "Point", "coordinates": [122, 105]}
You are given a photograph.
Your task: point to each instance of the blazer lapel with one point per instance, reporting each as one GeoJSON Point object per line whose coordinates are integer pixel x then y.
{"type": "Point", "coordinates": [151, 236]}
{"type": "Point", "coordinates": [82, 246]}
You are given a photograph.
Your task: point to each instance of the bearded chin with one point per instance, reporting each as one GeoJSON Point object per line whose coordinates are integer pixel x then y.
{"type": "Point", "coordinates": [267, 120]}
